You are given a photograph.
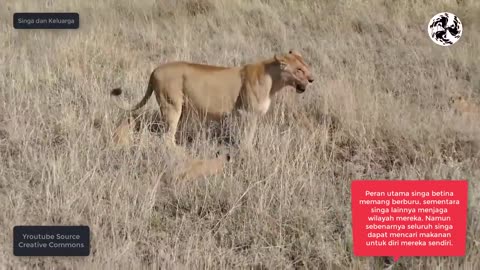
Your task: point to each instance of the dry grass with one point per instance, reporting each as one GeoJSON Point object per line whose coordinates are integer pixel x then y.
{"type": "Point", "coordinates": [286, 205]}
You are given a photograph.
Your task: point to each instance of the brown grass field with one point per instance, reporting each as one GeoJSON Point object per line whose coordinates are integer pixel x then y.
{"type": "Point", "coordinates": [286, 204]}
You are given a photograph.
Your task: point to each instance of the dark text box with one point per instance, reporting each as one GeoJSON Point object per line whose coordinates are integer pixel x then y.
{"type": "Point", "coordinates": [45, 20]}
{"type": "Point", "coordinates": [51, 241]}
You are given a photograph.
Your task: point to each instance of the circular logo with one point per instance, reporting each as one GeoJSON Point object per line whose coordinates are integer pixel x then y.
{"type": "Point", "coordinates": [445, 29]}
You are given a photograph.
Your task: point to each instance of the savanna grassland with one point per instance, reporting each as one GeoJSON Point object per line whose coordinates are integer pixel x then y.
{"type": "Point", "coordinates": [378, 109]}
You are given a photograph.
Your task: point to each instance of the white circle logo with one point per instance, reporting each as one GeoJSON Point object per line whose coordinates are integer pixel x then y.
{"type": "Point", "coordinates": [445, 29]}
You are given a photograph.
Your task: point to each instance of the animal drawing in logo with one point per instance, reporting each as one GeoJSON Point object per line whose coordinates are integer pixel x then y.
{"type": "Point", "coordinates": [445, 29]}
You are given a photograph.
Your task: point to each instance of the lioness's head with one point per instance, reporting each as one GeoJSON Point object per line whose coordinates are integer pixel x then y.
{"type": "Point", "coordinates": [294, 71]}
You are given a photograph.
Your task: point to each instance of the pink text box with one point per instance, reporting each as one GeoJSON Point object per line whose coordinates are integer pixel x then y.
{"type": "Point", "coordinates": [409, 217]}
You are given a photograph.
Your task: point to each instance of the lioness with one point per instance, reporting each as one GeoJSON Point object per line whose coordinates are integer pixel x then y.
{"type": "Point", "coordinates": [214, 92]}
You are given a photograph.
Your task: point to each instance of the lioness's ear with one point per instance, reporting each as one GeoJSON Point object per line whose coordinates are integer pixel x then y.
{"type": "Point", "coordinates": [295, 53]}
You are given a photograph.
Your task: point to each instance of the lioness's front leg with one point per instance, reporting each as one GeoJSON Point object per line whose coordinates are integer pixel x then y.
{"type": "Point", "coordinates": [247, 123]}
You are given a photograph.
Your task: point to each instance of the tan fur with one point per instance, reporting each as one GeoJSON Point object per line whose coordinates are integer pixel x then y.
{"type": "Point", "coordinates": [463, 106]}
{"type": "Point", "coordinates": [123, 134]}
{"type": "Point", "coordinates": [213, 92]}
{"type": "Point", "coordinates": [197, 168]}
{"type": "Point", "coordinates": [186, 168]}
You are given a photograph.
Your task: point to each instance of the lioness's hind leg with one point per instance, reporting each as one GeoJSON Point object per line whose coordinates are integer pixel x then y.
{"type": "Point", "coordinates": [171, 111]}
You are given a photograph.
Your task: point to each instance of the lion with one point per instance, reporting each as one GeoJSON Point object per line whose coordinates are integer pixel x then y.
{"type": "Point", "coordinates": [462, 106]}
{"type": "Point", "coordinates": [186, 168]}
{"type": "Point", "coordinates": [199, 168]}
{"type": "Point", "coordinates": [217, 93]}
{"type": "Point", "coordinates": [123, 133]}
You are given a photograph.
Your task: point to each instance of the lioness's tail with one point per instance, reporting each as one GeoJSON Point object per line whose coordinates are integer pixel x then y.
{"type": "Point", "coordinates": [117, 92]}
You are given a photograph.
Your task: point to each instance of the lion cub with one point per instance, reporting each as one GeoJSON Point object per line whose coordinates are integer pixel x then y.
{"type": "Point", "coordinates": [186, 168]}
{"type": "Point", "coordinates": [198, 168]}
{"type": "Point", "coordinates": [462, 106]}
